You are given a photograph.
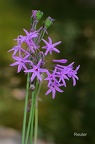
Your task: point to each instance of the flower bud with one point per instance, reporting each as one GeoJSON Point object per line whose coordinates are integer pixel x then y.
{"type": "Point", "coordinates": [33, 17]}
{"type": "Point", "coordinates": [39, 15]}
{"type": "Point", "coordinates": [36, 16]}
{"type": "Point", "coordinates": [34, 13]}
{"type": "Point", "coordinates": [48, 22]}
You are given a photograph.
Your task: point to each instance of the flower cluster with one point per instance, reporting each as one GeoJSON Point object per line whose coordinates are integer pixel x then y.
{"type": "Point", "coordinates": [30, 57]}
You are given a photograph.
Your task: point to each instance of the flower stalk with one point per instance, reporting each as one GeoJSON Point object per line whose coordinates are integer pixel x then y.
{"type": "Point", "coordinates": [36, 122]}
{"type": "Point", "coordinates": [25, 108]}
{"type": "Point", "coordinates": [32, 117]}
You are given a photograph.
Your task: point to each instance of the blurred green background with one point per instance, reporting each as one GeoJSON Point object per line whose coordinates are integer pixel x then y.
{"type": "Point", "coordinates": [73, 110]}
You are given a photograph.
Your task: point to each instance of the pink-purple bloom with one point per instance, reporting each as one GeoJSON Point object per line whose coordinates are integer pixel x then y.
{"type": "Point", "coordinates": [21, 62]}
{"type": "Point", "coordinates": [50, 46]}
{"type": "Point", "coordinates": [60, 61]}
{"type": "Point", "coordinates": [36, 71]}
{"type": "Point", "coordinates": [30, 57]}
{"type": "Point", "coordinates": [53, 87]}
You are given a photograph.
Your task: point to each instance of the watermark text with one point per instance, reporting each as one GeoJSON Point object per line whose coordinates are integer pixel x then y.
{"type": "Point", "coordinates": [80, 134]}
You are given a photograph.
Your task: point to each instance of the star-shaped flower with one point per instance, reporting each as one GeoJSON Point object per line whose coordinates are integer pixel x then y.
{"type": "Point", "coordinates": [72, 74]}
{"type": "Point", "coordinates": [28, 39]}
{"type": "Point", "coordinates": [19, 49]}
{"type": "Point", "coordinates": [21, 62]}
{"type": "Point", "coordinates": [53, 88]}
{"type": "Point", "coordinates": [36, 71]}
{"type": "Point", "coordinates": [50, 46]}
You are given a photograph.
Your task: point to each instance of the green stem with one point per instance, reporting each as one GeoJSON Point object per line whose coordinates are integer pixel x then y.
{"type": "Point", "coordinates": [36, 114]}
{"type": "Point", "coordinates": [33, 108]}
{"type": "Point", "coordinates": [40, 37]}
{"type": "Point", "coordinates": [25, 110]}
{"type": "Point", "coordinates": [36, 122]}
{"type": "Point", "coordinates": [30, 117]}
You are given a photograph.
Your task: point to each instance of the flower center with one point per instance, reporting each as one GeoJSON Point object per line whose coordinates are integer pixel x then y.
{"type": "Point", "coordinates": [36, 69]}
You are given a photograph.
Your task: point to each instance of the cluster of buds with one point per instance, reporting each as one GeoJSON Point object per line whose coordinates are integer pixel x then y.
{"type": "Point", "coordinates": [30, 57]}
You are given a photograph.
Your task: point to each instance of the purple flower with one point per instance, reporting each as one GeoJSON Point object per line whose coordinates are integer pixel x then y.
{"type": "Point", "coordinates": [20, 39]}
{"type": "Point", "coordinates": [60, 61]}
{"type": "Point", "coordinates": [30, 58]}
{"type": "Point", "coordinates": [28, 39]}
{"type": "Point", "coordinates": [21, 62]}
{"type": "Point", "coordinates": [34, 12]}
{"type": "Point", "coordinates": [53, 88]}
{"type": "Point", "coordinates": [50, 47]}
{"type": "Point", "coordinates": [72, 74]}
{"type": "Point", "coordinates": [30, 35]}
{"type": "Point", "coordinates": [51, 77]}
{"type": "Point", "coordinates": [36, 71]}
{"type": "Point", "coordinates": [66, 72]}
{"type": "Point", "coordinates": [18, 49]}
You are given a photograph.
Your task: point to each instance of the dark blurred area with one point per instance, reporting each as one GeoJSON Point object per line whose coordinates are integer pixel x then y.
{"type": "Point", "coordinates": [73, 110]}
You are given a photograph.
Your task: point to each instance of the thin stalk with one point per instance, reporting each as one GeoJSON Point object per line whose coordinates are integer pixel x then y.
{"type": "Point", "coordinates": [33, 108]}
{"type": "Point", "coordinates": [36, 113]}
{"type": "Point", "coordinates": [25, 109]}
{"type": "Point", "coordinates": [40, 36]}
{"type": "Point", "coordinates": [31, 117]}
{"type": "Point", "coordinates": [36, 122]}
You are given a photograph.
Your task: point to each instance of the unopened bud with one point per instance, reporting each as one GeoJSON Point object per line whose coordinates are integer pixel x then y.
{"type": "Point", "coordinates": [48, 22]}
{"type": "Point", "coordinates": [36, 15]}
{"type": "Point", "coordinates": [34, 12]}
{"type": "Point", "coordinates": [39, 15]}
{"type": "Point", "coordinates": [33, 17]}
